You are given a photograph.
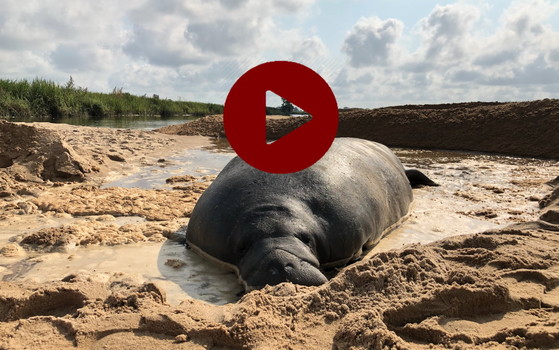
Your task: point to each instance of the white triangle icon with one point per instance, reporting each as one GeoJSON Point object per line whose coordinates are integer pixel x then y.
{"type": "Point", "coordinates": [275, 101]}
{"type": "Point", "coordinates": [275, 112]}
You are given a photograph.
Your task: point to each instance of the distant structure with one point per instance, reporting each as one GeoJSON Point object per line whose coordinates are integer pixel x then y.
{"type": "Point", "coordinates": [286, 107]}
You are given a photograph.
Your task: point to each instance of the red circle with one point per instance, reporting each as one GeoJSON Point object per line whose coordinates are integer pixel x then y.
{"type": "Point", "coordinates": [244, 117]}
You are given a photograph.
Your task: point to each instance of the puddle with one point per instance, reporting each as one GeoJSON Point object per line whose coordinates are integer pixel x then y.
{"type": "Point", "coordinates": [142, 262]}
{"type": "Point", "coordinates": [477, 192]}
{"type": "Point", "coordinates": [194, 162]}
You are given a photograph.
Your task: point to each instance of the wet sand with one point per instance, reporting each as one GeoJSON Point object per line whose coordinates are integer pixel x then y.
{"type": "Point", "coordinates": [75, 224]}
{"type": "Point", "coordinates": [496, 289]}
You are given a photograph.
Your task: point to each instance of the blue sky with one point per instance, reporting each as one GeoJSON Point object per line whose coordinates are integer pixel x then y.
{"type": "Point", "coordinates": [372, 53]}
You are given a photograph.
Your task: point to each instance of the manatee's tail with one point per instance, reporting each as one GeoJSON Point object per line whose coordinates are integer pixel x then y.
{"type": "Point", "coordinates": [418, 179]}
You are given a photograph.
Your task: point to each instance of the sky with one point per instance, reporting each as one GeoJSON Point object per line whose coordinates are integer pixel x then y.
{"type": "Point", "coordinates": [372, 53]}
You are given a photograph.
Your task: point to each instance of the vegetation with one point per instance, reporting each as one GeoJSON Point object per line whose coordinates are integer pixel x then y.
{"type": "Point", "coordinates": [286, 107]}
{"type": "Point", "coordinates": [273, 111]}
{"type": "Point", "coordinates": [42, 99]}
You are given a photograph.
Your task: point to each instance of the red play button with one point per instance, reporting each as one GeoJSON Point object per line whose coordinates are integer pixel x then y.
{"type": "Point", "coordinates": [244, 117]}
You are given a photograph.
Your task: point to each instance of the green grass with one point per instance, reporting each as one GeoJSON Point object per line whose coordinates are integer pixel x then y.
{"type": "Point", "coordinates": [43, 99]}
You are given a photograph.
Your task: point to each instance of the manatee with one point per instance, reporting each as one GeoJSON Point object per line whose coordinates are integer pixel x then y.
{"type": "Point", "coordinates": [273, 228]}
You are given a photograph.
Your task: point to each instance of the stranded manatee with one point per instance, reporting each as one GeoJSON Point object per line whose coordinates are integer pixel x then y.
{"type": "Point", "coordinates": [272, 228]}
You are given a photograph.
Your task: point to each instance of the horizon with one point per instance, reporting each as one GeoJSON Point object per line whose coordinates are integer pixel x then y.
{"type": "Point", "coordinates": [373, 54]}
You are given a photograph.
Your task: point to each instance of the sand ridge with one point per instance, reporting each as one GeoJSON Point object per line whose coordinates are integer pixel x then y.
{"type": "Point", "coordinates": [516, 128]}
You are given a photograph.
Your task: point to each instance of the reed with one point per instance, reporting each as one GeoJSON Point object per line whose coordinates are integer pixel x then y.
{"type": "Point", "coordinates": [43, 99]}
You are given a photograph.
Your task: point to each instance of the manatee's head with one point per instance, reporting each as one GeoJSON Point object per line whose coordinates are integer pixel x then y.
{"type": "Point", "coordinates": [277, 244]}
{"type": "Point", "coordinates": [275, 260]}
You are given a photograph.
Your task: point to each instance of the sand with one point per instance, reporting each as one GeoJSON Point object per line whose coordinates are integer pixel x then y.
{"type": "Point", "coordinates": [54, 172]}
{"type": "Point", "coordinates": [497, 289]}
{"type": "Point", "coordinates": [516, 128]}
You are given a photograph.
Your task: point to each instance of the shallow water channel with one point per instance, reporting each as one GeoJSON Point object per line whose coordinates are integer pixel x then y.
{"type": "Point", "coordinates": [477, 192]}
{"type": "Point", "coordinates": [123, 122]}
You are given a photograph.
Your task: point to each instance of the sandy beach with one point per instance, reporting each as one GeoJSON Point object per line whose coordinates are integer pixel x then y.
{"type": "Point", "coordinates": [494, 284]}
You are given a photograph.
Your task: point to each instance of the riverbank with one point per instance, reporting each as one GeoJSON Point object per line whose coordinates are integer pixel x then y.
{"type": "Point", "coordinates": [46, 99]}
{"type": "Point", "coordinates": [528, 129]}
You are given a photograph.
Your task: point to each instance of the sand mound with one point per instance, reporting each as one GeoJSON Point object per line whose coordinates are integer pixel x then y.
{"type": "Point", "coordinates": [9, 187]}
{"type": "Point", "coordinates": [37, 152]}
{"type": "Point", "coordinates": [30, 153]}
{"type": "Point", "coordinates": [212, 126]}
{"type": "Point", "coordinates": [550, 204]}
{"type": "Point", "coordinates": [498, 289]}
{"type": "Point", "coordinates": [519, 128]}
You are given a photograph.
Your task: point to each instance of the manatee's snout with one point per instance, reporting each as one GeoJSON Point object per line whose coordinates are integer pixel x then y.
{"type": "Point", "coordinates": [278, 265]}
{"type": "Point", "coordinates": [283, 266]}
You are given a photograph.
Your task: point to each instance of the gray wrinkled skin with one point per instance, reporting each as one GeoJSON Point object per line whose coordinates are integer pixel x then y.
{"type": "Point", "coordinates": [272, 228]}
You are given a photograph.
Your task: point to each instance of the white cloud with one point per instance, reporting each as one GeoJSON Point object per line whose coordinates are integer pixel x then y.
{"type": "Point", "coordinates": [40, 25]}
{"type": "Point", "coordinates": [446, 30]}
{"type": "Point", "coordinates": [455, 61]}
{"type": "Point", "coordinates": [226, 37]}
{"type": "Point", "coordinates": [521, 50]}
{"type": "Point", "coordinates": [497, 57]}
{"type": "Point", "coordinates": [79, 58]}
{"type": "Point", "coordinates": [371, 41]}
{"type": "Point", "coordinates": [309, 50]}
{"type": "Point", "coordinates": [162, 43]}
{"type": "Point", "coordinates": [553, 56]}
{"type": "Point", "coordinates": [537, 72]}
{"type": "Point", "coordinates": [25, 64]}
{"type": "Point", "coordinates": [175, 33]}
{"type": "Point", "coordinates": [144, 78]}
{"type": "Point", "coordinates": [525, 18]}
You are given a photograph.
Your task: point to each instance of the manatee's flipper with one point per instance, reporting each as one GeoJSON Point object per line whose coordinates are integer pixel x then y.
{"type": "Point", "coordinates": [418, 179]}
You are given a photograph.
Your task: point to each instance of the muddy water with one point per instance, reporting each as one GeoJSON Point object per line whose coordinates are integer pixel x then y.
{"type": "Point", "coordinates": [477, 192]}
{"type": "Point", "coordinates": [194, 162]}
{"type": "Point", "coordinates": [142, 262]}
